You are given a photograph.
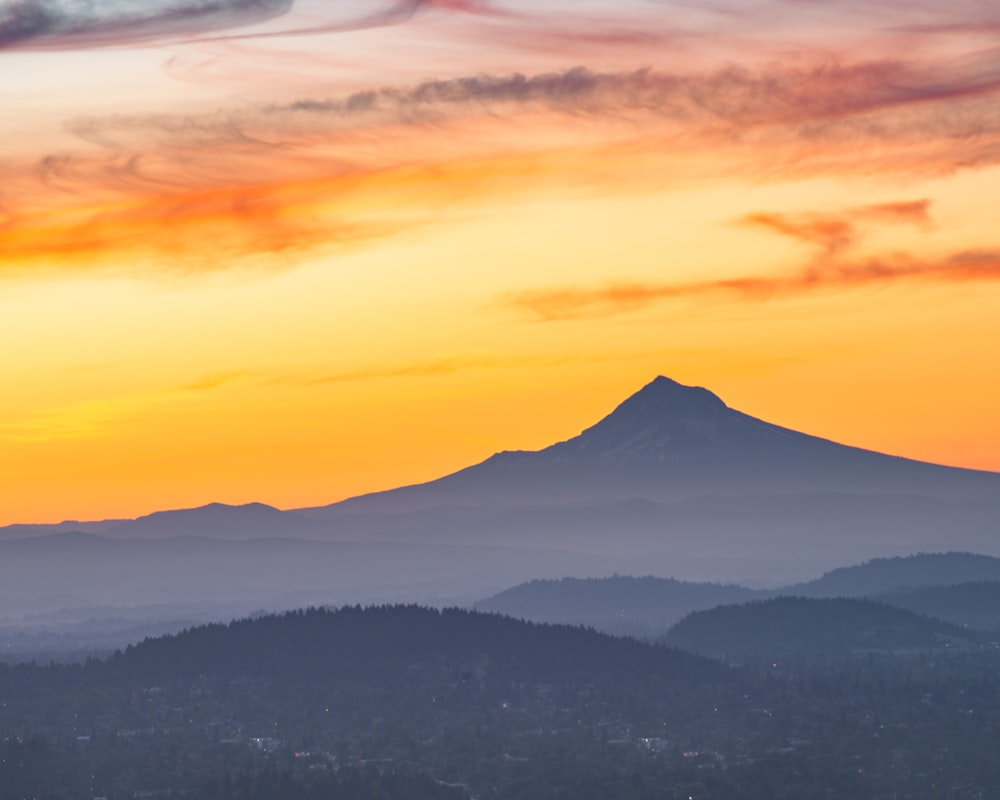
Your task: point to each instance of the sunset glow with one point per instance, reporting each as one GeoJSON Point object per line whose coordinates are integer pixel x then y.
{"type": "Point", "coordinates": [290, 252]}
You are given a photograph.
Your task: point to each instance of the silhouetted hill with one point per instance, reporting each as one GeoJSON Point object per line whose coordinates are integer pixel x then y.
{"type": "Point", "coordinates": [976, 604]}
{"type": "Point", "coordinates": [382, 646]}
{"type": "Point", "coordinates": [881, 575]}
{"type": "Point", "coordinates": [618, 605]}
{"type": "Point", "coordinates": [785, 626]}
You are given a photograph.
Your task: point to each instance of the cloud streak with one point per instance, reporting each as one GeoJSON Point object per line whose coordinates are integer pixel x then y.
{"type": "Point", "coordinates": [832, 269]}
{"type": "Point", "coordinates": [834, 233]}
{"type": "Point", "coordinates": [576, 303]}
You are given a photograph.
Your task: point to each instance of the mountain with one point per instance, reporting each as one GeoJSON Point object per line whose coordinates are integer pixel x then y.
{"type": "Point", "coordinates": [671, 482]}
{"type": "Point", "coordinates": [619, 605]}
{"type": "Point", "coordinates": [669, 441]}
{"type": "Point", "coordinates": [789, 626]}
{"type": "Point", "coordinates": [675, 477]}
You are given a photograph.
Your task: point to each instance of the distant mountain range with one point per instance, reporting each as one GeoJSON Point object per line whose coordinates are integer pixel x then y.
{"type": "Point", "coordinates": [961, 588]}
{"type": "Point", "coordinates": [672, 482]}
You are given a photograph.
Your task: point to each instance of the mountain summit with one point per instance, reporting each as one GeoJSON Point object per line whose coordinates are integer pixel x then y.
{"type": "Point", "coordinates": [666, 421]}
{"type": "Point", "coordinates": [661, 416]}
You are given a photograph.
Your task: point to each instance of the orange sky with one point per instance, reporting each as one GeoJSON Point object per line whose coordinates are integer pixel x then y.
{"type": "Point", "coordinates": [290, 252]}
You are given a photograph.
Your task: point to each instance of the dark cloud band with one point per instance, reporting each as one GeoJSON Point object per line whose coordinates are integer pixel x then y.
{"type": "Point", "coordinates": [50, 24]}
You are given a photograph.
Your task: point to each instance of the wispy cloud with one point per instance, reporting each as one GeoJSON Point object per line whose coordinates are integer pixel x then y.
{"type": "Point", "coordinates": [582, 303]}
{"type": "Point", "coordinates": [276, 179]}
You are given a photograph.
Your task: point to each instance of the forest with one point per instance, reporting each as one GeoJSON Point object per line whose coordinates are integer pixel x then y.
{"type": "Point", "coordinates": [409, 702]}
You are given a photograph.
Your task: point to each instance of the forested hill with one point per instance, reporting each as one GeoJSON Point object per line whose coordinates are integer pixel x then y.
{"type": "Point", "coordinates": [388, 645]}
{"type": "Point", "coordinates": [621, 604]}
{"type": "Point", "coordinates": [976, 604]}
{"type": "Point", "coordinates": [798, 625]}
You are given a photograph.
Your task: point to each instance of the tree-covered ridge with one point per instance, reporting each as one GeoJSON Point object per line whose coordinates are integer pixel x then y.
{"type": "Point", "coordinates": [801, 625]}
{"type": "Point", "coordinates": [882, 575]}
{"type": "Point", "coordinates": [975, 604]}
{"type": "Point", "coordinates": [383, 644]}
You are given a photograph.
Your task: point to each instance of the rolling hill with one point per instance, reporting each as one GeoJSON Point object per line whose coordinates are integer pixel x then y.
{"type": "Point", "coordinates": [797, 626]}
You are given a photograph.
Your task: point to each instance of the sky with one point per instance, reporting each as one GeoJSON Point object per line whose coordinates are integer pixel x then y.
{"type": "Point", "coordinates": [290, 251]}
